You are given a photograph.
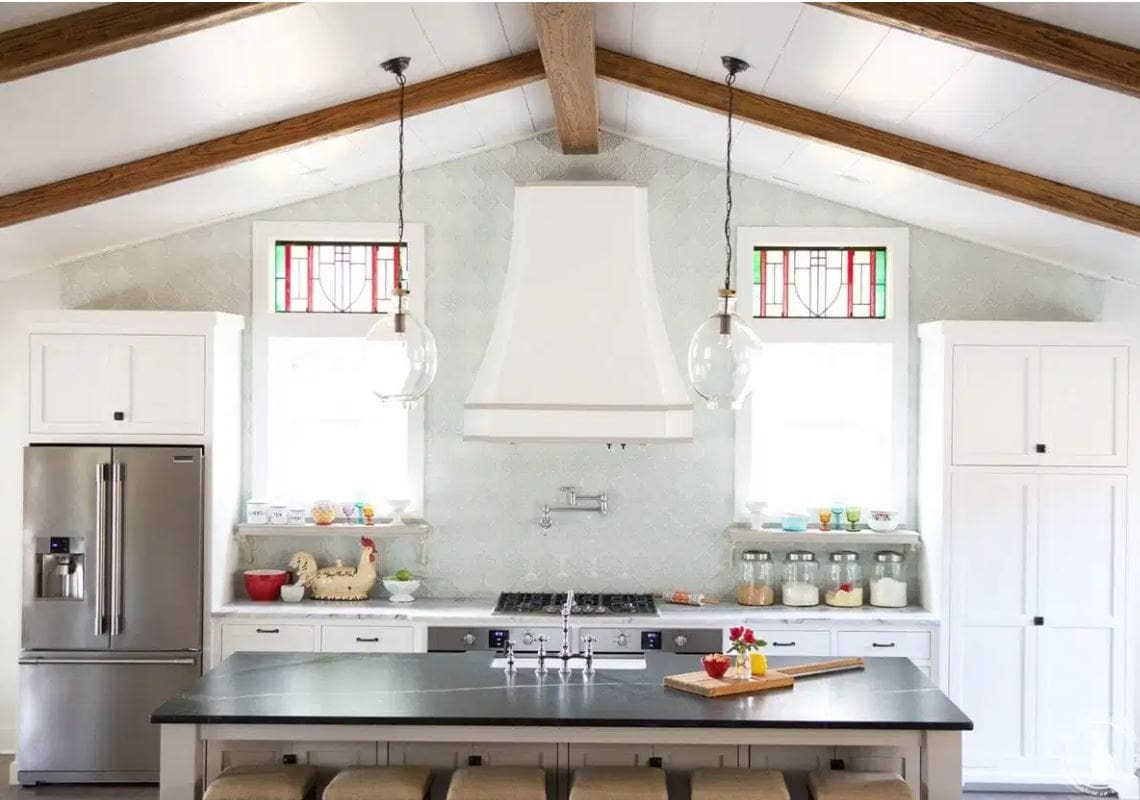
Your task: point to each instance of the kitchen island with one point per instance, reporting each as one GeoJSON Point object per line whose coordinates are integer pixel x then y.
{"type": "Point", "coordinates": [460, 697]}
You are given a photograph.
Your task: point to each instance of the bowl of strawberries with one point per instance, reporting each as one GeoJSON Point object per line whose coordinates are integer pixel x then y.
{"type": "Point", "coordinates": [715, 664]}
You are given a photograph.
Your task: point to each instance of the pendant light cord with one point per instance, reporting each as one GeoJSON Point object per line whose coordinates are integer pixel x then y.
{"type": "Point", "coordinates": [400, 79]}
{"type": "Point", "coordinates": [727, 194]}
{"type": "Point", "coordinates": [729, 80]}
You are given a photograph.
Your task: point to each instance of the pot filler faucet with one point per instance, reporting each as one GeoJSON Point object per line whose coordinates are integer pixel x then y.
{"type": "Point", "coordinates": [598, 502]}
{"type": "Point", "coordinates": [564, 654]}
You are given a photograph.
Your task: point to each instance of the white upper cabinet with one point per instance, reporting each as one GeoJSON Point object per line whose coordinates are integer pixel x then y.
{"type": "Point", "coordinates": [1084, 406]}
{"type": "Point", "coordinates": [995, 413]}
{"type": "Point", "coordinates": [117, 384]}
{"type": "Point", "coordinates": [1049, 405]}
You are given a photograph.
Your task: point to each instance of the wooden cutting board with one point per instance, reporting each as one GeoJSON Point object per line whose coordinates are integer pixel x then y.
{"type": "Point", "coordinates": [700, 683]}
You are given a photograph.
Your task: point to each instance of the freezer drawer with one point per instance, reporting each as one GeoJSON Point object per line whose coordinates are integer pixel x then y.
{"type": "Point", "coordinates": [87, 717]}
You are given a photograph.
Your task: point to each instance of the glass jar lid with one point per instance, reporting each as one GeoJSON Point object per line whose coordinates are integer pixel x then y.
{"type": "Point", "coordinates": [889, 556]}
{"type": "Point", "coordinates": [800, 555]}
{"type": "Point", "coordinates": [755, 555]}
{"type": "Point", "coordinates": [845, 555]}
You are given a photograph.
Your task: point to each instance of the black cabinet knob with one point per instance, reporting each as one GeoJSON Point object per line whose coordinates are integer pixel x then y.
{"type": "Point", "coordinates": [119, 416]}
{"type": "Point", "coordinates": [475, 761]}
{"type": "Point", "coordinates": [1040, 448]}
{"type": "Point", "coordinates": [1039, 620]}
{"type": "Point", "coordinates": [656, 761]}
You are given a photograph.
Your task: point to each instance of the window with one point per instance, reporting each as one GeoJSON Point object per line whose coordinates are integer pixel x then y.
{"type": "Point", "coordinates": [318, 432]}
{"type": "Point", "coordinates": [829, 419]}
{"type": "Point", "coordinates": [336, 277]}
{"type": "Point", "coordinates": [825, 282]}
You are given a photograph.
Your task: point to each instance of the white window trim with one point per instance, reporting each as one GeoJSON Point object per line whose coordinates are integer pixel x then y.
{"type": "Point", "coordinates": [894, 330]}
{"type": "Point", "coordinates": [267, 323]}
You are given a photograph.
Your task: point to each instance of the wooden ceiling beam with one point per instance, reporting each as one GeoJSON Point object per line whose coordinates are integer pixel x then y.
{"type": "Point", "coordinates": [778, 115]}
{"type": "Point", "coordinates": [566, 41]}
{"type": "Point", "coordinates": [224, 151]}
{"type": "Point", "coordinates": [110, 29]}
{"type": "Point", "coordinates": [1064, 52]}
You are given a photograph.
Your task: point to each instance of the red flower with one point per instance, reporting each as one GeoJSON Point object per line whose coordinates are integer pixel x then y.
{"type": "Point", "coordinates": [749, 638]}
{"type": "Point", "coordinates": [735, 633]}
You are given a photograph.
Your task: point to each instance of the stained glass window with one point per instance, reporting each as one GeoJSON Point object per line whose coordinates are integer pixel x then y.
{"type": "Point", "coordinates": [819, 282]}
{"type": "Point", "coordinates": [336, 277]}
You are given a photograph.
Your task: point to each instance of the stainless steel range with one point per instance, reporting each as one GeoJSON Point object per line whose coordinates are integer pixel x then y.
{"type": "Point", "coordinates": [609, 626]}
{"type": "Point", "coordinates": [585, 603]}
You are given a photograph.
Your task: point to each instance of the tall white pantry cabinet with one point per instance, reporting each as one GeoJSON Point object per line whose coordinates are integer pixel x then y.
{"type": "Point", "coordinates": [1025, 498]}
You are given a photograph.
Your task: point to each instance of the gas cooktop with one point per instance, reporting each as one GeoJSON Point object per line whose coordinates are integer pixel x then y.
{"type": "Point", "coordinates": [585, 603]}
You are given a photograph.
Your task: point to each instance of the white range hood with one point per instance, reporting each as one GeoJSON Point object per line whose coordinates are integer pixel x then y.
{"type": "Point", "coordinates": [579, 351]}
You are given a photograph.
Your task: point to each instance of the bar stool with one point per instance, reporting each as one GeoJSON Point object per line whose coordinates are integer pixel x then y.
{"type": "Point", "coordinates": [619, 783]}
{"type": "Point", "coordinates": [271, 782]}
{"type": "Point", "coordinates": [843, 785]}
{"type": "Point", "coordinates": [497, 783]}
{"type": "Point", "coordinates": [738, 784]}
{"type": "Point", "coordinates": [379, 783]}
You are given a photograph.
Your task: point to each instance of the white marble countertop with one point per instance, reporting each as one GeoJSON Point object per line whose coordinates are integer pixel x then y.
{"type": "Point", "coordinates": [477, 611]}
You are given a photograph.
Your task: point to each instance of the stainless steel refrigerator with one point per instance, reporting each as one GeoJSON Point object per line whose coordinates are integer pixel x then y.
{"type": "Point", "coordinates": [112, 606]}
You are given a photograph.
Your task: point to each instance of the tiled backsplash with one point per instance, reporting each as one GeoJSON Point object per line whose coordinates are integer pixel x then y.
{"type": "Point", "coordinates": [669, 503]}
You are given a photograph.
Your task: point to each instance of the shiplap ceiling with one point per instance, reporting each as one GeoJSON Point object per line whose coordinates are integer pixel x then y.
{"type": "Point", "coordinates": [232, 77]}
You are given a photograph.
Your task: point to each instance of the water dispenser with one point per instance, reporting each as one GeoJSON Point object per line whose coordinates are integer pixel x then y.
{"type": "Point", "coordinates": [59, 567]}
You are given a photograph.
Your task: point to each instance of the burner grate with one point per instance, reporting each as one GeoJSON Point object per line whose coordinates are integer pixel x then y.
{"type": "Point", "coordinates": [585, 603]}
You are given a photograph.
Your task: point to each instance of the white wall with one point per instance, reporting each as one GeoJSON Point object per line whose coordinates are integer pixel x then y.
{"type": "Point", "coordinates": [669, 503]}
{"type": "Point", "coordinates": [37, 290]}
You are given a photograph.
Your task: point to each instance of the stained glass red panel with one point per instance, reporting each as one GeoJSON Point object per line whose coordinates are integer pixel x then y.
{"type": "Point", "coordinates": [336, 277]}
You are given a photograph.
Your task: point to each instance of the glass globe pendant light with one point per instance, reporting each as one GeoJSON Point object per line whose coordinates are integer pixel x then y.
{"type": "Point", "coordinates": [400, 356]}
{"type": "Point", "coordinates": [723, 349]}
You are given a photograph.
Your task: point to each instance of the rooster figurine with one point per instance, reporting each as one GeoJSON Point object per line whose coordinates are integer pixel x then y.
{"type": "Point", "coordinates": [338, 582]}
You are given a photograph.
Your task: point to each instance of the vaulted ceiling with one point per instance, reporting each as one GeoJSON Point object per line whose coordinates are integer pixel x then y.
{"type": "Point", "coordinates": [232, 77]}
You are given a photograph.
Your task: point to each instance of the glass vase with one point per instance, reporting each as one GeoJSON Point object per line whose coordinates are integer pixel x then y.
{"type": "Point", "coordinates": [743, 669]}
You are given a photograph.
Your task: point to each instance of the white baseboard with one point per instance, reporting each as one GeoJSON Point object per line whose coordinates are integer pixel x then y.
{"type": "Point", "coordinates": [13, 773]}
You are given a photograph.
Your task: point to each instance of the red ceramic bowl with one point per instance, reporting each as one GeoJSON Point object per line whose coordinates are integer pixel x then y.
{"type": "Point", "coordinates": [264, 585]}
{"type": "Point", "coordinates": [715, 666]}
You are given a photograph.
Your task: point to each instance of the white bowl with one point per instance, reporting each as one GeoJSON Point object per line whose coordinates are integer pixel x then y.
{"type": "Point", "coordinates": [293, 592]}
{"type": "Point", "coordinates": [402, 591]}
{"type": "Point", "coordinates": [883, 521]}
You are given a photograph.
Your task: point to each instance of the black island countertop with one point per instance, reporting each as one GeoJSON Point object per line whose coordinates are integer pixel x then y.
{"type": "Point", "coordinates": [463, 689]}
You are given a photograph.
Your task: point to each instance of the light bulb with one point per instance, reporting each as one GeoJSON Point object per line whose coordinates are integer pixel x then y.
{"type": "Point", "coordinates": [400, 359]}
{"type": "Point", "coordinates": [722, 358]}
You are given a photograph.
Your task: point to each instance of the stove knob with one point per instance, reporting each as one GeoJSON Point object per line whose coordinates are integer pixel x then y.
{"type": "Point", "coordinates": [468, 639]}
{"type": "Point", "coordinates": [622, 640]}
{"type": "Point", "coordinates": [680, 640]}
{"type": "Point", "coordinates": [528, 638]}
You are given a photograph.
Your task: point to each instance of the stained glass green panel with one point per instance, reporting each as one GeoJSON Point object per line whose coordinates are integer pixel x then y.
{"type": "Point", "coordinates": [757, 265]}
{"type": "Point", "coordinates": [279, 271]}
{"type": "Point", "coordinates": [880, 301]}
{"type": "Point", "coordinates": [881, 267]}
{"type": "Point", "coordinates": [279, 298]}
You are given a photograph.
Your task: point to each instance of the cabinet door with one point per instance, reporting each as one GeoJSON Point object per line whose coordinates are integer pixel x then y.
{"type": "Point", "coordinates": [993, 556]}
{"type": "Point", "coordinates": [994, 416]}
{"type": "Point", "coordinates": [71, 383]}
{"type": "Point", "coordinates": [1080, 605]}
{"type": "Point", "coordinates": [165, 390]}
{"type": "Point", "coordinates": [1084, 406]}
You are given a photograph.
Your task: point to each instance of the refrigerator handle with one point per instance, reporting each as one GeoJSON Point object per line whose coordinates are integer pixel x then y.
{"type": "Point", "coordinates": [100, 547]}
{"type": "Point", "coordinates": [116, 549]}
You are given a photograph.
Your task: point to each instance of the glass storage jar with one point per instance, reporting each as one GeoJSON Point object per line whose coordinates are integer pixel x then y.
{"type": "Point", "coordinates": [801, 579]}
{"type": "Point", "coordinates": [755, 579]}
{"type": "Point", "coordinates": [844, 584]}
{"type": "Point", "coordinates": [888, 580]}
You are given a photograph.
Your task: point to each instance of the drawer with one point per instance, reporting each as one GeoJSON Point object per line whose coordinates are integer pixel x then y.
{"type": "Point", "coordinates": [910, 644]}
{"type": "Point", "coordinates": [795, 642]}
{"type": "Point", "coordinates": [367, 639]}
{"type": "Point", "coordinates": [267, 637]}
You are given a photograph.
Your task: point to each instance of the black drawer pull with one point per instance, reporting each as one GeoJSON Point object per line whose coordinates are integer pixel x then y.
{"type": "Point", "coordinates": [880, 644]}
{"type": "Point", "coordinates": [784, 644]}
{"type": "Point", "coordinates": [1040, 448]}
{"type": "Point", "coordinates": [269, 630]}
{"type": "Point", "coordinates": [364, 640]}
